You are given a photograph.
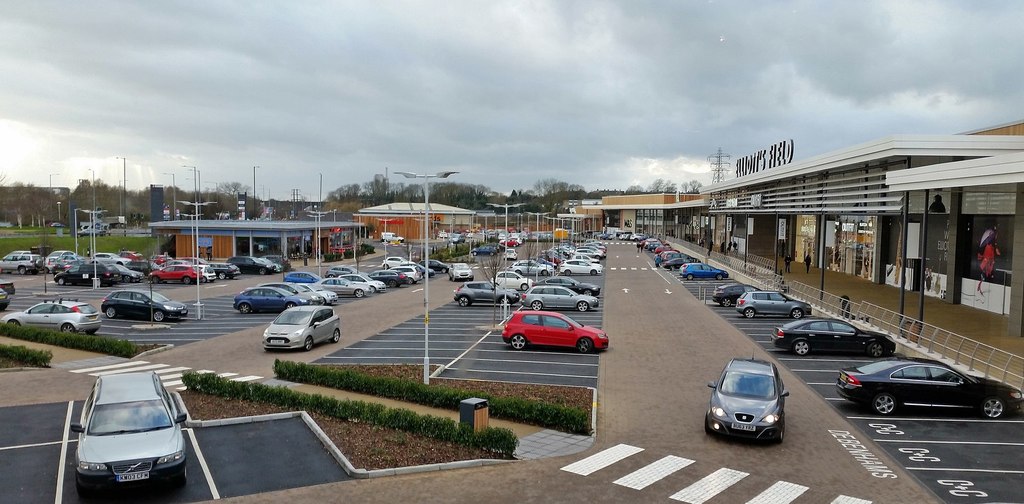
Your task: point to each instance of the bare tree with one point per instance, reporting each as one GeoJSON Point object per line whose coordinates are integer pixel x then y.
{"type": "Point", "coordinates": [691, 187]}
{"type": "Point", "coordinates": [490, 266]}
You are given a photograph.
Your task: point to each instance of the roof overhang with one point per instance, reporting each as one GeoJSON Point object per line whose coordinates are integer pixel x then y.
{"type": "Point", "coordinates": [694, 203]}
{"type": "Point", "coordinates": [987, 171]}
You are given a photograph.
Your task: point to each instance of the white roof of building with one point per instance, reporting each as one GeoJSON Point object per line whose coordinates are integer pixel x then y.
{"type": "Point", "coordinates": [987, 171]}
{"type": "Point", "coordinates": [409, 208]}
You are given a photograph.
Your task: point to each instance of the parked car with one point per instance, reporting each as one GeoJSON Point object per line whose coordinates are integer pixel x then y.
{"type": "Point", "coordinates": [574, 285]}
{"type": "Point", "coordinates": [831, 335]}
{"type": "Point", "coordinates": [302, 327]}
{"type": "Point", "coordinates": [544, 328]}
{"type": "Point", "coordinates": [436, 266]}
{"type": "Point", "coordinates": [701, 270]}
{"type": "Point", "coordinates": [484, 292]}
{"type": "Point", "coordinates": [330, 297]}
{"type": "Point", "coordinates": [256, 299]}
{"type": "Point", "coordinates": [57, 258]}
{"type": "Point", "coordinates": [225, 271]}
{"type": "Point", "coordinates": [301, 277]}
{"type": "Point", "coordinates": [295, 289]}
{"type": "Point", "coordinates": [392, 261]}
{"type": "Point", "coordinates": [256, 265]}
{"type": "Point", "coordinates": [131, 255]}
{"type": "Point", "coordinates": [553, 297]}
{"type": "Point", "coordinates": [160, 259]}
{"type": "Point", "coordinates": [411, 272]}
{"type": "Point", "coordinates": [8, 287]}
{"type": "Point", "coordinates": [107, 256]}
{"type": "Point", "coordinates": [896, 383]}
{"type": "Point", "coordinates": [183, 273]}
{"type": "Point", "coordinates": [140, 304]}
{"type": "Point", "coordinates": [580, 267]}
{"type": "Point", "coordinates": [577, 256]}
{"type": "Point", "coordinates": [375, 285]}
{"type": "Point", "coordinates": [344, 287]}
{"type": "Point", "coordinates": [144, 267]}
{"type": "Point", "coordinates": [484, 250]}
{"type": "Point", "coordinates": [727, 294]}
{"type": "Point", "coordinates": [530, 268]}
{"type": "Point", "coordinates": [391, 278]}
{"type": "Point", "coordinates": [22, 262]}
{"type": "Point", "coordinates": [457, 238]}
{"type": "Point", "coordinates": [678, 262]}
{"type": "Point", "coordinates": [5, 300]}
{"type": "Point", "coordinates": [749, 401]}
{"type": "Point", "coordinates": [758, 302]}
{"type": "Point", "coordinates": [510, 254]}
{"type": "Point", "coordinates": [512, 280]}
{"type": "Point", "coordinates": [335, 271]}
{"type": "Point", "coordinates": [460, 271]}
{"type": "Point", "coordinates": [280, 260]}
{"type": "Point", "coordinates": [59, 315]}
{"type": "Point", "coordinates": [592, 251]}
{"type": "Point", "coordinates": [83, 273]}
{"type": "Point", "coordinates": [206, 273]}
{"type": "Point", "coordinates": [389, 237]}
{"type": "Point", "coordinates": [129, 432]}
{"type": "Point", "coordinates": [128, 275]}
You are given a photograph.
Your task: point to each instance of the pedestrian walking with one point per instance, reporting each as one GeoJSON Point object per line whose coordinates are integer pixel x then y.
{"type": "Point", "coordinates": [711, 247]}
{"type": "Point", "coordinates": [789, 260]}
{"type": "Point", "coordinates": [639, 247]}
{"type": "Point", "coordinates": [807, 261]}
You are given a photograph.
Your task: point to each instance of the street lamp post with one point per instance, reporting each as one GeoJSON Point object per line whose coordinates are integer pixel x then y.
{"type": "Point", "coordinates": [173, 185]}
{"type": "Point", "coordinates": [124, 182]}
{"type": "Point", "coordinates": [318, 215]}
{"type": "Point", "coordinates": [195, 243]}
{"type": "Point", "coordinates": [92, 243]}
{"type": "Point", "coordinates": [506, 207]}
{"type": "Point", "coordinates": [426, 281]}
{"type": "Point", "coordinates": [537, 231]}
{"type": "Point", "coordinates": [50, 195]}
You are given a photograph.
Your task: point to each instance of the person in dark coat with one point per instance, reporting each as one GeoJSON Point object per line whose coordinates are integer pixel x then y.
{"type": "Point", "coordinates": [789, 260]}
{"type": "Point", "coordinates": [807, 261]}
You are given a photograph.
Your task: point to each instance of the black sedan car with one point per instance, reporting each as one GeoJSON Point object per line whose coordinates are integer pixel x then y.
{"type": "Point", "coordinates": [748, 400]}
{"type": "Point", "coordinates": [84, 273]}
{"type": "Point", "coordinates": [574, 285]}
{"type": "Point", "coordinates": [437, 266]}
{"type": "Point", "coordinates": [831, 335]}
{"type": "Point", "coordinates": [142, 304]}
{"type": "Point", "coordinates": [256, 265]}
{"type": "Point", "coordinates": [678, 262]}
{"type": "Point", "coordinates": [225, 270]}
{"type": "Point", "coordinates": [727, 294]}
{"type": "Point", "coordinates": [906, 382]}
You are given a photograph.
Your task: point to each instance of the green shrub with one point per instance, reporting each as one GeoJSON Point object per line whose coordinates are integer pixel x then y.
{"type": "Point", "coordinates": [498, 440]}
{"type": "Point", "coordinates": [27, 356]}
{"type": "Point", "coordinates": [515, 409]}
{"type": "Point", "coordinates": [88, 342]}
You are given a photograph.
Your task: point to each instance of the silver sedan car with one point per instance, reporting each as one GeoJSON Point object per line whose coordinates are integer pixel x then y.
{"type": "Point", "coordinates": [344, 287]}
{"type": "Point", "coordinates": [553, 297]}
{"type": "Point", "coordinates": [375, 285]}
{"type": "Point", "coordinates": [302, 327]}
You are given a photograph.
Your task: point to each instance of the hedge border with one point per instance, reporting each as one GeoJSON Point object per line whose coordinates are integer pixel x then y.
{"type": "Point", "coordinates": [554, 416]}
{"type": "Point", "coordinates": [501, 441]}
{"type": "Point", "coordinates": [28, 356]}
{"type": "Point", "coordinates": [88, 342]}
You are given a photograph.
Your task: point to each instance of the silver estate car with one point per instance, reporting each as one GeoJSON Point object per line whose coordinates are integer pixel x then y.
{"type": "Point", "coordinates": [302, 327]}
{"type": "Point", "coordinates": [554, 297]}
{"type": "Point", "coordinates": [752, 304]}
{"type": "Point", "coordinates": [60, 315]}
{"type": "Point", "coordinates": [129, 433]}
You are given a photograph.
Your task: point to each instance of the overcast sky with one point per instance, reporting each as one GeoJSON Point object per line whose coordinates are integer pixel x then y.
{"type": "Point", "coordinates": [602, 94]}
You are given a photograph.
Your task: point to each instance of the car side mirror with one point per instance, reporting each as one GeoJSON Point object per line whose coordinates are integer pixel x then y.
{"type": "Point", "coordinates": [77, 427]}
{"type": "Point", "coordinates": [181, 418]}
{"type": "Point", "coordinates": [785, 393]}
{"type": "Point", "coordinates": [712, 385]}
{"type": "Point", "coordinates": [314, 324]}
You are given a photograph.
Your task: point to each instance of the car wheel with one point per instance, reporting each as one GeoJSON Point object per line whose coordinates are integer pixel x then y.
{"type": "Point", "coordinates": [392, 283]}
{"type": "Point", "coordinates": [593, 272]}
{"type": "Point", "coordinates": [567, 272]}
{"type": "Point", "coordinates": [186, 280]}
{"type": "Point", "coordinates": [537, 305]}
{"type": "Point", "coordinates": [21, 270]}
{"type": "Point", "coordinates": [718, 276]}
{"type": "Point", "coordinates": [222, 275]}
{"type": "Point", "coordinates": [875, 349]}
{"type": "Point", "coordinates": [588, 292]}
{"type": "Point", "coordinates": [67, 327]}
{"type": "Point", "coordinates": [373, 290]}
{"type": "Point", "coordinates": [179, 481]}
{"type": "Point", "coordinates": [689, 276]}
{"type": "Point", "coordinates": [796, 313]}
{"type": "Point", "coordinates": [464, 301]}
{"type": "Point", "coordinates": [993, 407]}
{"type": "Point", "coordinates": [61, 281]}
{"type": "Point", "coordinates": [308, 344]}
{"type": "Point", "coordinates": [524, 287]}
{"type": "Point", "coordinates": [245, 308]}
{"type": "Point", "coordinates": [263, 271]}
{"type": "Point", "coordinates": [781, 435]}
{"type": "Point", "coordinates": [158, 316]}
{"type": "Point", "coordinates": [126, 279]}
{"type": "Point", "coordinates": [358, 293]}
{"type": "Point", "coordinates": [289, 305]}
{"type": "Point", "coordinates": [517, 342]}
{"type": "Point", "coordinates": [883, 403]}
{"type": "Point", "coordinates": [545, 273]}
{"type": "Point", "coordinates": [110, 312]}
{"type": "Point", "coordinates": [726, 302]}
{"type": "Point", "coordinates": [14, 322]}
{"type": "Point", "coordinates": [749, 312]}
{"type": "Point", "coordinates": [584, 345]}
{"type": "Point", "coordinates": [84, 491]}
{"type": "Point", "coordinates": [336, 337]}
{"type": "Point", "coordinates": [801, 347]}
{"type": "Point", "coordinates": [582, 306]}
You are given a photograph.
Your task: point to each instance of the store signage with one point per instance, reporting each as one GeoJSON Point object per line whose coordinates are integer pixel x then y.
{"type": "Point", "coordinates": [732, 202]}
{"type": "Point", "coordinates": [755, 200]}
{"type": "Point", "coordinates": [776, 155]}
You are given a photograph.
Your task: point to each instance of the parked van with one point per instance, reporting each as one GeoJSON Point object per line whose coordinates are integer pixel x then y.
{"type": "Point", "coordinates": [391, 238]}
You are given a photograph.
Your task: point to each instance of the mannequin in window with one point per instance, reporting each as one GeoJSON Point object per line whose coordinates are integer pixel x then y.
{"type": "Point", "coordinates": [937, 205]}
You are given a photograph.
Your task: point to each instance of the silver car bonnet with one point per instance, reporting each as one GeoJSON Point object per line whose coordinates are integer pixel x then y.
{"type": "Point", "coordinates": [140, 445]}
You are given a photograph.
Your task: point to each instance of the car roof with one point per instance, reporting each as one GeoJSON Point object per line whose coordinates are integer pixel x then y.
{"type": "Point", "coordinates": [751, 365]}
{"type": "Point", "coordinates": [127, 387]}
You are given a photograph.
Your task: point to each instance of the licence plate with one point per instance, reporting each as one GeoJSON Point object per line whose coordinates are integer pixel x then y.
{"type": "Point", "coordinates": [743, 427]}
{"type": "Point", "coordinates": [133, 476]}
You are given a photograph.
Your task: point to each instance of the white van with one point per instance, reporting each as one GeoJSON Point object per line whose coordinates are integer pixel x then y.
{"type": "Point", "coordinates": [390, 237]}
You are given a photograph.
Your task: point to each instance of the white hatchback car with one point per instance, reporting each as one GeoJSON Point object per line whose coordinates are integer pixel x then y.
{"type": "Point", "coordinates": [391, 262]}
{"type": "Point", "coordinates": [580, 267]}
{"type": "Point", "coordinates": [512, 280]}
{"type": "Point", "coordinates": [511, 254]}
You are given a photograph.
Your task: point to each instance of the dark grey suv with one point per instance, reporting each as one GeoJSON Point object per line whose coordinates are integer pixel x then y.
{"type": "Point", "coordinates": [752, 304]}
{"type": "Point", "coordinates": [748, 400]}
{"type": "Point", "coordinates": [484, 292]}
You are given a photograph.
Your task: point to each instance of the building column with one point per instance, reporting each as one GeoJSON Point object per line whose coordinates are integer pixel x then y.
{"type": "Point", "coordinates": [1015, 327]}
{"type": "Point", "coordinates": [954, 264]}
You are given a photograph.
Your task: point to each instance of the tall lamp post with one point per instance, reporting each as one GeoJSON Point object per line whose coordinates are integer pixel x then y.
{"type": "Point", "coordinates": [426, 281]}
{"type": "Point", "coordinates": [506, 207]}
{"type": "Point", "coordinates": [92, 243]}
{"type": "Point", "coordinates": [316, 249]}
{"type": "Point", "coordinates": [124, 182]}
{"type": "Point", "coordinates": [195, 243]}
{"type": "Point", "coordinates": [174, 208]}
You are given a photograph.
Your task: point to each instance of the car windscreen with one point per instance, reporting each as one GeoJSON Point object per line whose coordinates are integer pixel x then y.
{"type": "Point", "coordinates": [292, 317]}
{"type": "Point", "coordinates": [160, 298]}
{"type": "Point", "coordinates": [736, 383]}
{"type": "Point", "coordinates": [128, 417]}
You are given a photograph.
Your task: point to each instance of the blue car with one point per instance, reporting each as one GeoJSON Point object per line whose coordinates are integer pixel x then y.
{"type": "Point", "coordinates": [301, 277]}
{"type": "Point", "coordinates": [701, 270]}
{"type": "Point", "coordinates": [484, 250]}
{"type": "Point", "coordinates": [255, 299]}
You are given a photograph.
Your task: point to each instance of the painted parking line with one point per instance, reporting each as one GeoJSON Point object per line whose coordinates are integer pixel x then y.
{"type": "Point", "coordinates": [63, 455]}
{"type": "Point", "coordinates": [202, 463]}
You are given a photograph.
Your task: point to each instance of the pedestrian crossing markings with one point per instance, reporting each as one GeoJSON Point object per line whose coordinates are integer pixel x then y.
{"type": "Point", "coordinates": [169, 376]}
{"type": "Point", "coordinates": [703, 490]}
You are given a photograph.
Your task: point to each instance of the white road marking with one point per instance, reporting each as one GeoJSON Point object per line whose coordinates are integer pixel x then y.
{"type": "Point", "coordinates": [202, 463]}
{"type": "Point", "coordinates": [981, 443]}
{"type": "Point", "coordinates": [602, 459]}
{"type": "Point", "coordinates": [814, 370]}
{"type": "Point", "coordinates": [33, 445]}
{"type": "Point", "coordinates": [227, 375]}
{"type": "Point", "coordinates": [173, 383]}
{"type": "Point", "coordinates": [843, 499]}
{"type": "Point", "coordinates": [171, 370]}
{"type": "Point", "coordinates": [964, 469]}
{"type": "Point", "coordinates": [63, 456]}
{"type": "Point", "coordinates": [652, 473]}
{"type": "Point", "coordinates": [782, 492]}
{"type": "Point", "coordinates": [247, 378]}
{"type": "Point", "coordinates": [668, 291]}
{"type": "Point", "coordinates": [925, 419]}
{"type": "Point", "coordinates": [823, 360]}
{"type": "Point", "coordinates": [148, 367]}
{"type": "Point", "coordinates": [417, 290]}
{"type": "Point", "coordinates": [111, 366]}
{"type": "Point", "coordinates": [821, 383]}
{"type": "Point", "coordinates": [625, 290]}
{"type": "Point", "coordinates": [709, 486]}
{"type": "Point", "coordinates": [522, 373]}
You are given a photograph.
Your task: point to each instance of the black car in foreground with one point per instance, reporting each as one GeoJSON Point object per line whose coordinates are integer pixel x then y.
{"type": "Point", "coordinates": [140, 304]}
{"type": "Point", "coordinates": [890, 384]}
{"type": "Point", "coordinates": [574, 285]}
{"type": "Point", "coordinates": [748, 400]}
{"type": "Point", "coordinates": [255, 265]}
{"type": "Point", "coordinates": [831, 335]}
{"type": "Point", "coordinates": [727, 294]}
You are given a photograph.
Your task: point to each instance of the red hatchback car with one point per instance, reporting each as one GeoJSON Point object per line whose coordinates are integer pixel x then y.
{"type": "Point", "coordinates": [544, 328]}
{"type": "Point", "coordinates": [179, 273]}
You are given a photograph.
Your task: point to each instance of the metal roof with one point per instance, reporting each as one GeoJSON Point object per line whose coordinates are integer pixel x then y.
{"type": "Point", "coordinates": [409, 208]}
{"type": "Point", "coordinates": [254, 225]}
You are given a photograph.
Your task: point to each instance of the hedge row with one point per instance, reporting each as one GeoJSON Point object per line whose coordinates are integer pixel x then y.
{"type": "Point", "coordinates": [99, 344]}
{"type": "Point", "coordinates": [515, 409]}
{"type": "Point", "coordinates": [498, 440]}
{"type": "Point", "coordinates": [449, 253]}
{"type": "Point", "coordinates": [27, 356]}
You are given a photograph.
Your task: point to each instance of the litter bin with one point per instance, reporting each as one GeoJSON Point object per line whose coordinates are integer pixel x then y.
{"type": "Point", "coordinates": [475, 412]}
{"type": "Point", "coordinates": [844, 307]}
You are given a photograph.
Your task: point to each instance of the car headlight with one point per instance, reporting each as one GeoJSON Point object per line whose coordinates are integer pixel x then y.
{"type": "Point", "coordinates": [770, 418]}
{"type": "Point", "coordinates": [170, 458]}
{"type": "Point", "coordinates": [169, 307]}
{"type": "Point", "coordinates": [91, 466]}
{"type": "Point", "coordinates": [719, 412]}
{"type": "Point", "coordinates": [298, 333]}
{"type": "Point", "coordinates": [1016, 394]}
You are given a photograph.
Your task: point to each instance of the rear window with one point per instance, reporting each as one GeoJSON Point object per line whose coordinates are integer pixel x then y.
{"type": "Point", "coordinates": [87, 309]}
{"type": "Point", "coordinates": [873, 367]}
